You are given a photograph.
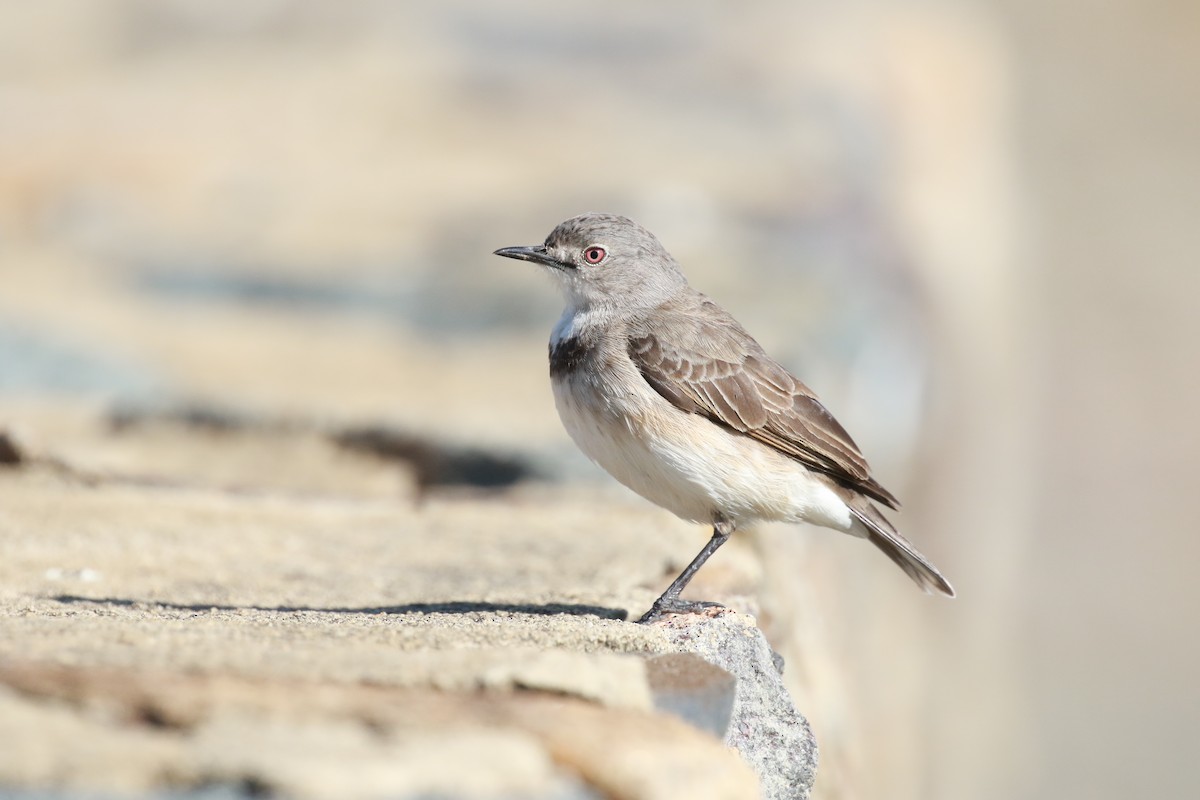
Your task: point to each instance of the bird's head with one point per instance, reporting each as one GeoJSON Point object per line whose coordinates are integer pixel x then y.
{"type": "Point", "coordinates": [606, 261]}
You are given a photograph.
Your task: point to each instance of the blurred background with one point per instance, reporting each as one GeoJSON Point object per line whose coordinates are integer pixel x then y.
{"type": "Point", "coordinates": [969, 226]}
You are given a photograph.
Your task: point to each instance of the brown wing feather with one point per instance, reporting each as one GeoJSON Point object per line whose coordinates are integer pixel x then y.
{"type": "Point", "coordinates": [714, 368]}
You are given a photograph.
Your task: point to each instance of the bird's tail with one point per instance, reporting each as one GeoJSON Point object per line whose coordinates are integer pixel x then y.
{"type": "Point", "coordinates": [897, 548]}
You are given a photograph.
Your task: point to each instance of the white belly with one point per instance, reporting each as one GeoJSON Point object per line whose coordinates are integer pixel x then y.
{"type": "Point", "coordinates": [687, 464]}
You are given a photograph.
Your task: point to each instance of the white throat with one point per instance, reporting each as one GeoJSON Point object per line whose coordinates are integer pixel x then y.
{"type": "Point", "coordinates": [576, 322]}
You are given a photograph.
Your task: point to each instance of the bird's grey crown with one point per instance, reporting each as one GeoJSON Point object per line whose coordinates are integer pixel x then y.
{"type": "Point", "coordinates": [592, 228]}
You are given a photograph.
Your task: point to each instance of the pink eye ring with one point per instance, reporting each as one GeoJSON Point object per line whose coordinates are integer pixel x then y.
{"type": "Point", "coordinates": [594, 255]}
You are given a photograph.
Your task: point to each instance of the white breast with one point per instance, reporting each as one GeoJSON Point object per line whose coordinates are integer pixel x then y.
{"type": "Point", "coordinates": [684, 462]}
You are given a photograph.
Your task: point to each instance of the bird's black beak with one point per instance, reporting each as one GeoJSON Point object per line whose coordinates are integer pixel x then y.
{"type": "Point", "coordinates": [535, 253]}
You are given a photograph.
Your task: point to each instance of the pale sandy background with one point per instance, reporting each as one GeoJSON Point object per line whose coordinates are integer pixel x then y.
{"type": "Point", "coordinates": [970, 226]}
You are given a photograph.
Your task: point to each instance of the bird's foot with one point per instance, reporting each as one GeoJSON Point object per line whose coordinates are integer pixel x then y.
{"type": "Point", "coordinates": [675, 605]}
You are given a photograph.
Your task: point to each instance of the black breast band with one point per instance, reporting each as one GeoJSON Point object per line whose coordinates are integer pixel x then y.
{"type": "Point", "coordinates": [567, 356]}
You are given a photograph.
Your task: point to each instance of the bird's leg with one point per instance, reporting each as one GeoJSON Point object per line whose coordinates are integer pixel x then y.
{"type": "Point", "coordinates": [670, 602]}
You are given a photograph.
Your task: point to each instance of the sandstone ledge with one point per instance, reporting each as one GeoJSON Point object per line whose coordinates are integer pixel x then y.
{"type": "Point", "coordinates": [167, 638]}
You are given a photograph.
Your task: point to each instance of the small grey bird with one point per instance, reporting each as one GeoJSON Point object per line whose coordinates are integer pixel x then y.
{"type": "Point", "coordinates": [665, 390]}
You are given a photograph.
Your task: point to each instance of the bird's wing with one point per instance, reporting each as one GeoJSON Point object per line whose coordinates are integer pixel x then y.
{"type": "Point", "coordinates": [705, 363]}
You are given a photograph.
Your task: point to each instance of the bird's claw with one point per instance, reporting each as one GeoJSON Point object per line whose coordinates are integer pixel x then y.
{"type": "Point", "coordinates": [675, 605]}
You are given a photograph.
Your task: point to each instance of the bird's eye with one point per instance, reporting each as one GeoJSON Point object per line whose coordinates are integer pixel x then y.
{"type": "Point", "coordinates": [594, 255]}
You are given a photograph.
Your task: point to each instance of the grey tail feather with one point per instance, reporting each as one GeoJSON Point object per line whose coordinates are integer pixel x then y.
{"type": "Point", "coordinates": [898, 549]}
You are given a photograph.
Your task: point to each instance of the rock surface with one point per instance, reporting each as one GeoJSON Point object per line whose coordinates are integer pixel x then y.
{"type": "Point", "coordinates": [765, 726]}
{"type": "Point", "coordinates": [130, 730]}
{"type": "Point", "coordinates": [168, 637]}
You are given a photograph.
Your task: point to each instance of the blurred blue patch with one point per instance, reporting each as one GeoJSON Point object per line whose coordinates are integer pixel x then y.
{"type": "Point", "coordinates": [38, 361]}
{"type": "Point", "coordinates": [444, 304]}
{"type": "Point", "coordinates": [203, 284]}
